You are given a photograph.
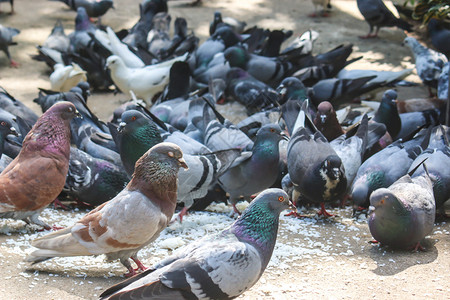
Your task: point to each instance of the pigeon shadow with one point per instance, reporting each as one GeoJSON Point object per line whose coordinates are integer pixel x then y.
{"type": "Point", "coordinates": [391, 261]}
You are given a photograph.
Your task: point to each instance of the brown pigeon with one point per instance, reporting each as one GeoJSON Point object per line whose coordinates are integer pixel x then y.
{"type": "Point", "coordinates": [38, 173]}
{"type": "Point", "coordinates": [134, 218]}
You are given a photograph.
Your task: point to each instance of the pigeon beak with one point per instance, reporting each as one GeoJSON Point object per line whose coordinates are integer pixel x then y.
{"type": "Point", "coordinates": [371, 209]}
{"type": "Point", "coordinates": [336, 173]}
{"type": "Point", "coordinates": [78, 115]}
{"type": "Point", "coordinates": [323, 118]}
{"type": "Point", "coordinates": [183, 163]}
{"type": "Point", "coordinates": [13, 131]}
{"type": "Point", "coordinates": [282, 90]}
{"type": "Point", "coordinates": [121, 126]}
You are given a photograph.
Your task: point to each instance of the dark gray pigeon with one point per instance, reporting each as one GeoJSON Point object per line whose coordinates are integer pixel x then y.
{"type": "Point", "coordinates": [57, 40]}
{"type": "Point", "coordinates": [219, 266]}
{"type": "Point", "coordinates": [404, 213]}
{"type": "Point", "coordinates": [378, 15]}
{"type": "Point", "coordinates": [256, 171]}
{"type": "Point", "coordinates": [314, 167]}
{"type": "Point", "coordinates": [6, 40]}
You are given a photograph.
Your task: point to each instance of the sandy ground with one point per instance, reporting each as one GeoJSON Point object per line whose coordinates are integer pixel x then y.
{"type": "Point", "coordinates": [315, 258]}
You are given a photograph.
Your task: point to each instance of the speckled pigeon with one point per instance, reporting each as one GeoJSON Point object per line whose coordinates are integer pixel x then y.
{"type": "Point", "coordinates": [219, 266]}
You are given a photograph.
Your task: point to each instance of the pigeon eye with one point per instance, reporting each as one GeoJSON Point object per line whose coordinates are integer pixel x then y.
{"type": "Point", "coordinates": [281, 198]}
{"type": "Point", "coordinates": [382, 201]}
{"type": "Point", "coordinates": [170, 154]}
{"type": "Point", "coordinates": [133, 118]}
{"type": "Point", "coordinates": [70, 109]}
{"type": "Point", "coordinates": [272, 130]}
{"type": "Point", "coordinates": [3, 123]}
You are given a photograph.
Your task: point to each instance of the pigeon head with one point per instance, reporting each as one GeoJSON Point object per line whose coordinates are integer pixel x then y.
{"type": "Point", "coordinates": [161, 159]}
{"type": "Point", "coordinates": [360, 193]}
{"type": "Point", "coordinates": [390, 98]}
{"type": "Point", "coordinates": [292, 88]}
{"type": "Point", "coordinates": [7, 128]}
{"type": "Point", "coordinates": [180, 27]}
{"type": "Point", "coordinates": [324, 111]}
{"type": "Point", "coordinates": [131, 120]}
{"type": "Point", "coordinates": [113, 62]}
{"type": "Point", "coordinates": [82, 21]}
{"type": "Point", "coordinates": [384, 200]}
{"type": "Point", "coordinates": [271, 131]}
{"type": "Point", "coordinates": [236, 56]}
{"type": "Point", "coordinates": [333, 168]}
{"type": "Point", "coordinates": [65, 110]}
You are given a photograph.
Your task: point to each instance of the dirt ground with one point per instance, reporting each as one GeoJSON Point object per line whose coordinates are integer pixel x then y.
{"type": "Point", "coordinates": [315, 258]}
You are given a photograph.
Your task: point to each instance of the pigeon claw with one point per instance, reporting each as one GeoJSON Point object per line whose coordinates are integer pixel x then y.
{"type": "Point", "coordinates": [323, 211]}
{"type": "Point", "coordinates": [14, 64]}
{"type": "Point", "coordinates": [295, 214]}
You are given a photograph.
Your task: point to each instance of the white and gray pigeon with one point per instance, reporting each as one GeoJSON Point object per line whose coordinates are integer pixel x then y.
{"type": "Point", "coordinates": [57, 40]}
{"type": "Point", "coordinates": [6, 40]}
{"type": "Point", "coordinates": [429, 63]}
{"type": "Point", "coordinates": [377, 15]}
{"type": "Point", "coordinates": [94, 8]}
{"type": "Point", "coordinates": [404, 213]}
{"type": "Point", "coordinates": [121, 49]}
{"type": "Point", "coordinates": [351, 149]}
{"type": "Point", "coordinates": [134, 218]}
{"type": "Point", "coordinates": [219, 266]}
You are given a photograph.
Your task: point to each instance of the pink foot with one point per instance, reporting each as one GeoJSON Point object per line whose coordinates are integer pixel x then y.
{"type": "Point", "coordinates": [131, 272]}
{"type": "Point", "coordinates": [295, 214]}
{"type": "Point", "coordinates": [418, 247]}
{"type": "Point", "coordinates": [14, 64]}
{"type": "Point", "coordinates": [140, 266]}
{"type": "Point", "coordinates": [58, 204]}
{"type": "Point", "coordinates": [323, 212]}
{"type": "Point", "coordinates": [182, 213]}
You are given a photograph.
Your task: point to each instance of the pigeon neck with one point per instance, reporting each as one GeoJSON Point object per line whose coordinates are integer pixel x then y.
{"type": "Point", "coordinates": [136, 143]}
{"type": "Point", "coordinates": [266, 148]}
{"type": "Point", "coordinates": [51, 135]}
{"type": "Point", "coordinates": [158, 183]}
{"type": "Point", "coordinates": [258, 226]}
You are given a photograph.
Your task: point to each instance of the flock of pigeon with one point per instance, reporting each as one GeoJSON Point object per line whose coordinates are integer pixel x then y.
{"type": "Point", "coordinates": [170, 147]}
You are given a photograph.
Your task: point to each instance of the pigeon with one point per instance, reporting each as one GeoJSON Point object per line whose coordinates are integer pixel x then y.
{"type": "Point", "coordinates": [57, 40]}
{"type": "Point", "coordinates": [412, 120]}
{"type": "Point", "coordinates": [429, 63]}
{"type": "Point", "coordinates": [145, 82]}
{"type": "Point", "coordinates": [11, 3]}
{"type": "Point", "coordinates": [387, 113]}
{"type": "Point", "coordinates": [378, 15]}
{"type": "Point", "coordinates": [93, 181]}
{"type": "Point", "coordinates": [325, 4]}
{"type": "Point", "coordinates": [256, 171]}
{"type": "Point", "coordinates": [327, 122]}
{"type": "Point", "coordinates": [437, 157]}
{"type": "Point", "coordinates": [6, 40]}
{"type": "Point", "coordinates": [219, 266]}
{"type": "Point", "coordinates": [37, 175]}
{"type": "Point", "coordinates": [314, 167]}
{"type": "Point", "coordinates": [401, 215]}
{"type": "Point", "coordinates": [159, 36]}
{"type": "Point", "coordinates": [64, 78]}
{"type": "Point", "coordinates": [94, 8]}
{"type": "Point", "coordinates": [145, 205]}
{"type": "Point", "coordinates": [384, 168]}
{"type": "Point", "coordinates": [80, 38]}
{"type": "Point", "coordinates": [137, 35]}
{"type": "Point", "coordinates": [351, 149]}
